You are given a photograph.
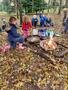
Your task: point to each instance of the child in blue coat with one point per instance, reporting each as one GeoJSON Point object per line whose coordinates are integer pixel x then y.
{"type": "Point", "coordinates": [42, 21]}
{"type": "Point", "coordinates": [13, 36]}
{"type": "Point", "coordinates": [34, 21]}
{"type": "Point", "coordinates": [45, 20]}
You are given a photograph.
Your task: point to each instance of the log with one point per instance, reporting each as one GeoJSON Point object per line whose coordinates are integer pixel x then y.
{"type": "Point", "coordinates": [61, 54]}
{"type": "Point", "coordinates": [40, 52]}
{"type": "Point", "coordinates": [62, 45]}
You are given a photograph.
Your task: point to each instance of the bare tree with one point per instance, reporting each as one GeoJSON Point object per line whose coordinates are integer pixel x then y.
{"type": "Point", "coordinates": [60, 7]}
{"type": "Point", "coordinates": [49, 4]}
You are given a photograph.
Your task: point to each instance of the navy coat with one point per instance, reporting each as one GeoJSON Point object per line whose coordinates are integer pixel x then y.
{"type": "Point", "coordinates": [12, 33]}
{"type": "Point", "coordinates": [13, 36]}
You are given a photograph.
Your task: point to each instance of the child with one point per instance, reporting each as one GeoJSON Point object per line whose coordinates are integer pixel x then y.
{"type": "Point", "coordinates": [34, 21]}
{"type": "Point", "coordinates": [49, 21]}
{"type": "Point", "coordinates": [42, 21]}
{"type": "Point", "coordinates": [66, 26]}
{"type": "Point", "coordinates": [45, 20]}
{"type": "Point", "coordinates": [3, 23]}
{"type": "Point", "coordinates": [26, 26]}
{"type": "Point", "coordinates": [13, 36]}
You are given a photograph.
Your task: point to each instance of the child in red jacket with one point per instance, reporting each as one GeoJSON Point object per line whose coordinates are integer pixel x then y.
{"type": "Point", "coordinates": [26, 26]}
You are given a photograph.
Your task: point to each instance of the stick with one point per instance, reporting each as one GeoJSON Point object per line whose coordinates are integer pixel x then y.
{"type": "Point", "coordinates": [61, 45]}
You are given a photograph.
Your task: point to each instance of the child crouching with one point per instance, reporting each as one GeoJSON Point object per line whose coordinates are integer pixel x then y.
{"type": "Point", "coordinates": [26, 26]}
{"type": "Point", "coordinates": [13, 36]}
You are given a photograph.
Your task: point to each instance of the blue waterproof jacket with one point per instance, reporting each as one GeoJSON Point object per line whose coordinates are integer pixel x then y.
{"type": "Point", "coordinates": [34, 20]}
{"type": "Point", "coordinates": [12, 33]}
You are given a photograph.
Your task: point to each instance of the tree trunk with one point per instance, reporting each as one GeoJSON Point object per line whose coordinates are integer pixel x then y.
{"type": "Point", "coordinates": [17, 12]}
{"type": "Point", "coordinates": [49, 5]}
{"type": "Point", "coordinates": [60, 7]}
{"type": "Point", "coordinates": [66, 4]}
{"type": "Point", "coordinates": [54, 4]}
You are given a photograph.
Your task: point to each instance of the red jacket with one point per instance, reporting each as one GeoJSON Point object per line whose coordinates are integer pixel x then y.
{"type": "Point", "coordinates": [26, 26]}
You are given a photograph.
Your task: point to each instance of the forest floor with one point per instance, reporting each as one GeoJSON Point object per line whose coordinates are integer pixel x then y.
{"type": "Point", "coordinates": [24, 70]}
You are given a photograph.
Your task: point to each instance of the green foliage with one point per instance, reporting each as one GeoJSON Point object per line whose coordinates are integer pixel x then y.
{"type": "Point", "coordinates": [6, 6]}
{"type": "Point", "coordinates": [33, 5]}
{"type": "Point", "coordinates": [27, 5]}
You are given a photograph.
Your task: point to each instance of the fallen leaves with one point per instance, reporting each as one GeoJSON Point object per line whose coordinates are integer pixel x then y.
{"type": "Point", "coordinates": [23, 70]}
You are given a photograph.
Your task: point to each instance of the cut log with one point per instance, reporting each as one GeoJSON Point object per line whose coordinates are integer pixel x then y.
{"type": "Point", "coordinates": [62, 45]}
{"type": "Point", "coordinates": [61, 54]}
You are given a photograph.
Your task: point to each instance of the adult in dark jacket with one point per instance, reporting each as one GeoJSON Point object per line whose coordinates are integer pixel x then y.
{"type": "Point", "coordinates": [13, 36]}
{"type": "Point", "coordinates": [66, 26]}
{"type": "Point", "coordinates": [34, 21]}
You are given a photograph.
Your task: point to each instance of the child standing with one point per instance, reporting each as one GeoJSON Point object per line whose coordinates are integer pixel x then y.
{"type": "Point", "coordinates": [13, 36]}
{"type": "Point", "coordinates": [26, 26]}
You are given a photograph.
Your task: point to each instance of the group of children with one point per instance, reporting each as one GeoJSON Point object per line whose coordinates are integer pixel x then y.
{"type": "Point", "coordinates": [15, 38]}
{"type": "Point", "coordinates": [44, 21]}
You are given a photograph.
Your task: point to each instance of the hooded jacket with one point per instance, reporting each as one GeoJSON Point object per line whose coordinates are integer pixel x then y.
{"type": "Point", "coordinates": [12, 33]}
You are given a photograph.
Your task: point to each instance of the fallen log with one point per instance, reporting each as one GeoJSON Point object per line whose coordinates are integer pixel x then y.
{"type": "Point", "coordinates": [62, 45]}
{"type": "Point", "coordinates": [61, 54]}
